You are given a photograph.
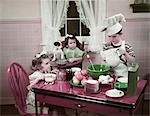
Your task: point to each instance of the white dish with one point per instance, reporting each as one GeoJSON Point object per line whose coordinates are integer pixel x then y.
{"type": "Point", "coordinates": [50, 77]}
{"type": "Point", "coordinates": [75, 69]}
{"type": "Point", "coordinates": [105, 79]}
{"type": "Point", "coordinates": [114, 93]}
{"type": "Point", "coordinates": [123, 79]}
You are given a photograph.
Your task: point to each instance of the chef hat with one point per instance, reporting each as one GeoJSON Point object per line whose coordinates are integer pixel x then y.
{"type": "Point", "coordinates": [114, 29]}
{"type": "Point", "coordinates": [112, 24]}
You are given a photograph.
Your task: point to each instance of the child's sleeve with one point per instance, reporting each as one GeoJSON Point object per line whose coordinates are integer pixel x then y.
{"type": "Point", "coordinates": [34, 78]}
{"type": "Point", "coordinates": [79, 53]}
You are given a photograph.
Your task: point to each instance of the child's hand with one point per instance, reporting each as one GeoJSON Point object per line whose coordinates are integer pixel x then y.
{"type": "Point", "coordinates": [71, 60]}
{"type": "Point", "coordinates": [55, 71]}
{"type": "Point", "coordinates": [121, 51]}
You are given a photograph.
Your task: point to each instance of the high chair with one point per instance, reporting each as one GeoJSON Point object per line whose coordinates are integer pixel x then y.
{"type": "Point", "coordinates": [18, 81]}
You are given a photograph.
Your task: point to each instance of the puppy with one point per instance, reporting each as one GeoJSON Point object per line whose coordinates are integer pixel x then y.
{"type": "Point", "coordinates": [57, 51]}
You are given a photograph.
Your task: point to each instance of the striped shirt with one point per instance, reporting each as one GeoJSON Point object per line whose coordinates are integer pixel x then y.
{"type": "Point", "coordinates": [128, 48]}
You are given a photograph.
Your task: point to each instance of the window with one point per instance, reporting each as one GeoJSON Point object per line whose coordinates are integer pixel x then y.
{"type": "Point", "coordinates": [73, 24]}
{"type": "Point", "coordinates": [141, 6]}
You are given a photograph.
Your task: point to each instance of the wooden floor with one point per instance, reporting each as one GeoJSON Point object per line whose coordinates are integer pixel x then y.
{"type": "Point", "coordinates": [10, 110]}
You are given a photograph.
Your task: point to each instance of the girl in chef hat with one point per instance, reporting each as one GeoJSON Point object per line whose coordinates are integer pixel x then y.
{"type": "Point", "coordinates": [116, 52]}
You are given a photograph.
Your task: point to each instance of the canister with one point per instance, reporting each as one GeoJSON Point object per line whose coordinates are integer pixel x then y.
{"type": "Point", "coordinates": [132, 79]}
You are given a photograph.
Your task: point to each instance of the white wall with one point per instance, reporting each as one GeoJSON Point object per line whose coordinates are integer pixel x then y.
{"type": "Point", "coordinates": [20, 36]}
{"type": "Point", "coordinates": [26, 9]}
{"type": "Point", "coordinates": [123, 6]}
{"type": "Point", "coordinates": [19, 9]}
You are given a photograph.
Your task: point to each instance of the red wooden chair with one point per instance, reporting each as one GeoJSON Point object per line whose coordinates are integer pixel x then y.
{"type": "Point", "coordinates": [18, 81]}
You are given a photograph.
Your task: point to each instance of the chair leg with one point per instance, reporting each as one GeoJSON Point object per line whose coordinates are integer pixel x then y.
{"type": "Point", "coordinates": [50, 110]}
{"type": "Point", "coordinates": [41, 108]}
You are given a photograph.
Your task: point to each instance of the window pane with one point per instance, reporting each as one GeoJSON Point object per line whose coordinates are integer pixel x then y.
{"type": "Point", "coordinates": [84, 30]}
{"type": "Point", "coordinates": [72, 10]}
{"type": "Point", "coordinates": [73, 27]}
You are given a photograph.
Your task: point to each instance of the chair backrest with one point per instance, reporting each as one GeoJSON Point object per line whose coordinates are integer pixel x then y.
{"type": "Point", "coordinates": [18, 81]}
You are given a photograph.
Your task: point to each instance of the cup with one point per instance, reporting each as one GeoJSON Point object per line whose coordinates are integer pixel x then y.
{"type": "Point", "coordinates": [61, 75]}
{"type": "Point", "coordinates": [121, 85]}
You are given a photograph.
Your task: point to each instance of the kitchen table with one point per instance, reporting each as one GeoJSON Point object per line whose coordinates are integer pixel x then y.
{"type": "Point", "coordinates": [63, 94]}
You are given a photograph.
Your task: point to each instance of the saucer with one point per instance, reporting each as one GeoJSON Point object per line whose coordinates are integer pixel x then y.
{"type": "Point", "coordinates": [123, 79]}
{"type": "Point", "coordinates": [114, 93]}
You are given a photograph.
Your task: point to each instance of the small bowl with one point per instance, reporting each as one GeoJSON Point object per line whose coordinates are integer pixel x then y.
{"type": "Point", "coordinates": [75, 69]}
{"type": "Point", "coordinates": [50, 77]}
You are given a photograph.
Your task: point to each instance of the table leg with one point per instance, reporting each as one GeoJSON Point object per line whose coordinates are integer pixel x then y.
{"type": "Point", "coordinates": [131, 112]}
{"type": "Point", "coordinates": [36, 107]}
{"type": "Point", "coordinates": [76, 112]}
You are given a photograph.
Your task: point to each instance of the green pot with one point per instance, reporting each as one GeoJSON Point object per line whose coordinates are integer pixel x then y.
{"type": "Point", "coordinates": [100, 69]}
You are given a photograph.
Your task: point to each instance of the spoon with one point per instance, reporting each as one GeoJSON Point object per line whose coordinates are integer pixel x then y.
{"type": "Point", "coordinates": [90, 61]}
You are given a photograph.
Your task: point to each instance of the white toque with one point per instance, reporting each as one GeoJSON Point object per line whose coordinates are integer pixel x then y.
{"type": "Point", "coordinates": [112, 24]}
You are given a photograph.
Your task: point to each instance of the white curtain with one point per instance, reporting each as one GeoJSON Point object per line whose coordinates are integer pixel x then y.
{"type": "Point", "coordinates": [95, 12]}
{"type": "Point", "coordinates": [52, 13]}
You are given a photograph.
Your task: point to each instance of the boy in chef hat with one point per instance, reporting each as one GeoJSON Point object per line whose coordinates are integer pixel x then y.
{"type": "Point", "coordinates": [116, 52]}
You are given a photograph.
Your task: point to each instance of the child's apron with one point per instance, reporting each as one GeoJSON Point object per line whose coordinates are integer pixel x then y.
{"type": "Point", "coordinates": [113, 59]}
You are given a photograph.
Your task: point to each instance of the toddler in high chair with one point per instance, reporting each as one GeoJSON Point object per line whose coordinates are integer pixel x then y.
{"type": "Point", "coordinates": [71, 49]}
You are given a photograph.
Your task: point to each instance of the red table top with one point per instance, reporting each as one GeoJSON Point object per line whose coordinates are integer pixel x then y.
{"type": "Point", "coordinates": [63, 88]}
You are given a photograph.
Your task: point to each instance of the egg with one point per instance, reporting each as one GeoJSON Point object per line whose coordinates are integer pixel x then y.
{"type": "Point", "coordinates": [90, 78]}
{"type": "Point", "coordinates": [79, 76]}
{"type": "Point", "coordinates": [110, 79]}
{"type": "Point", "coordinates": [77, 72]}
{"type": "Point", "coordinates": [84, 72]}
{"type": "Point", "coordinates": [83, 81]}
{"type": "Point", "coordinates": [75, 81]}
{"type": "Point", "coordinates": [105, 82]}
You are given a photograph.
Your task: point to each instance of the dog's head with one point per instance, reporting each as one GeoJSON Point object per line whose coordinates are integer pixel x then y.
{"type": "Point", "coordinates": [57, 45]}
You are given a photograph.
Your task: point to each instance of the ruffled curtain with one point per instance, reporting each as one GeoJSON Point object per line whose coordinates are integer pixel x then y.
{"type": "Point", "coordinates": [93, 13]}
{"type": "Point", "coordinates": [52, 15]}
